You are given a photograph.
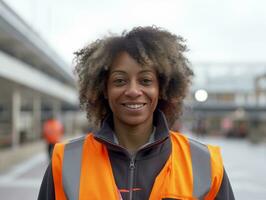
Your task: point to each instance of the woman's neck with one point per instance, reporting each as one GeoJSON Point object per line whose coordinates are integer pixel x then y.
{"type": "Point", "coordinates": [133, 137]}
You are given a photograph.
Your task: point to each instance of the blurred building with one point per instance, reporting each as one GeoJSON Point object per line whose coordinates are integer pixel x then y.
{"type": "Point", "coordinates": [34, 82]}
{"type": "Point", "coordinates": [228, 98]}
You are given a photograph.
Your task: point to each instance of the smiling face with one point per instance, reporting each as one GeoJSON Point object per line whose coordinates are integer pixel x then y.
{"type": "Point", "coordinates": [132, 91]}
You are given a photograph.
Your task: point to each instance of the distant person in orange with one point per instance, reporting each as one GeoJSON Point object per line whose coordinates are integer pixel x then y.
{"type": "Point", "coordinates": [52, 133]}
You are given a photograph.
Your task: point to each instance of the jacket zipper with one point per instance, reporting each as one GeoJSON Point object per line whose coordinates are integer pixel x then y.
{"type": "Point", "coordinates": [131, 177]}
{"type": "Point", "coordinates": [132, 162]}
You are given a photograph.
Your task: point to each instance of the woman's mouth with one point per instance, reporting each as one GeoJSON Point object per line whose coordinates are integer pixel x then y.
{"type": "Point", "coordinates": [134, 105]}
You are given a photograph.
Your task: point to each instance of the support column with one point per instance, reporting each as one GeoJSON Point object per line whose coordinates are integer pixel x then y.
{"type": "Point", "coordinates": [36, 116]}
{"type": "Point", "coordinates": [16, 104]}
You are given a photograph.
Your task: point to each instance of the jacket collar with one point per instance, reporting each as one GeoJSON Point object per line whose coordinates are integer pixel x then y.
{"type": "Point", "coordinates": [106, 131]}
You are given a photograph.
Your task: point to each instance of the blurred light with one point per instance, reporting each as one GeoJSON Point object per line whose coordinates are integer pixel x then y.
{"type": "Point", "coordinates": [201, 95]}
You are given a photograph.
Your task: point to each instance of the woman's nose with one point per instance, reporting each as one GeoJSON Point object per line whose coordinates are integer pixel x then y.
{"type": "Point", "coordinates": [133, 90]}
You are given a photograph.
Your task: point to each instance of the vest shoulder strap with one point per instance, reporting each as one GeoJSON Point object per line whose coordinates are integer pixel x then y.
{"type": "Point", "coordinates": [201, 168]}
{"type": "Point", "coordinates": [72, 167]}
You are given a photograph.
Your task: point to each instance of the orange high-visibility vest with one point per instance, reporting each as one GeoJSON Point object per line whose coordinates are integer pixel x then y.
{"type": "Point", "coordinates": [192, 171]}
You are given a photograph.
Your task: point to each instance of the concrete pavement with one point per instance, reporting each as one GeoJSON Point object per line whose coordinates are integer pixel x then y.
{"type": "Point", "coordinates": [23, 180]}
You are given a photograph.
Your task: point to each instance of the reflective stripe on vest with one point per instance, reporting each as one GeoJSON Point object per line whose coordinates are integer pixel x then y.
{"type": "Point", "coordinates": [71, 168]}
{"type": "Point", "coordinates": [201, 166]}
{"type": "Point", "coordinates": [204, 186]}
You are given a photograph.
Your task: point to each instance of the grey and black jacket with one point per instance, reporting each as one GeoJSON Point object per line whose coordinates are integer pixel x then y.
{"type": "Point", "coordinates": [137, 170]}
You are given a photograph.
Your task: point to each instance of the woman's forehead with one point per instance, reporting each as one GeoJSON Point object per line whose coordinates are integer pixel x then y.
{"type": "Point", "coordinates": [124, 60]}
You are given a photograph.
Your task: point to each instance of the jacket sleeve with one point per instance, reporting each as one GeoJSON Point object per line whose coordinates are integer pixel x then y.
{"type": "Point", "coordinates": [225, 191]}
{"type": "Point", "coordinates": [47, 187]}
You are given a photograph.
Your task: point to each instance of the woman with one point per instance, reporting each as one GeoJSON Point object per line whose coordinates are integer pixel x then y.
{"type": "Point", "coordinates": [132, 86]}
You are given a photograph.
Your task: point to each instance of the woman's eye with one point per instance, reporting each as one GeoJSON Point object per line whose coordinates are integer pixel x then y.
{"type": "Point", "coordinates": [146, 81]}
{"type": "Point", "coordinates": [119, 81]}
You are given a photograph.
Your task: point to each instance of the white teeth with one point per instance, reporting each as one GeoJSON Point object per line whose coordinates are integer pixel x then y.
{"type": "Point", "coordinates": [134, 106]}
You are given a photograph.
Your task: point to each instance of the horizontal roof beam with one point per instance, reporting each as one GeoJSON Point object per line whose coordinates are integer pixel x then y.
{"type": "Point", "coordinates": [21, 73]}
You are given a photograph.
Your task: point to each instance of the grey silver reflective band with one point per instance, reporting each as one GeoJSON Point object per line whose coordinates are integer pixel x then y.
{"type": "Point", "coordinates": [201, 166]}
{"type": "Point", "coordinates": [72, 168]}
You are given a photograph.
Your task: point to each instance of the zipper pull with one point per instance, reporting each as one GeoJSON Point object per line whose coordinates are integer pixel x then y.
{"type": "Point", "coordinates": [132, 164]}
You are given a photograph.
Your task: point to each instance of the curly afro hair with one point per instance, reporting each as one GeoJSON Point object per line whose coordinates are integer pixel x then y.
{"type": "Point", "coordinates": [149, 46]}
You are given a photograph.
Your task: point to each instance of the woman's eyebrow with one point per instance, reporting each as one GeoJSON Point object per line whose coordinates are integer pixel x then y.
{"type": "Point", "coordinates": [117, 71]}
{"type": "Point", "coordinates": [146, 71]}
{"type": "Point", "coordinates": [123, 72]}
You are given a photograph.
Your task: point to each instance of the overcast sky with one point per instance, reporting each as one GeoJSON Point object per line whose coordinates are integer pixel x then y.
{"type": "Point", "coordinates": [219, 31]}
